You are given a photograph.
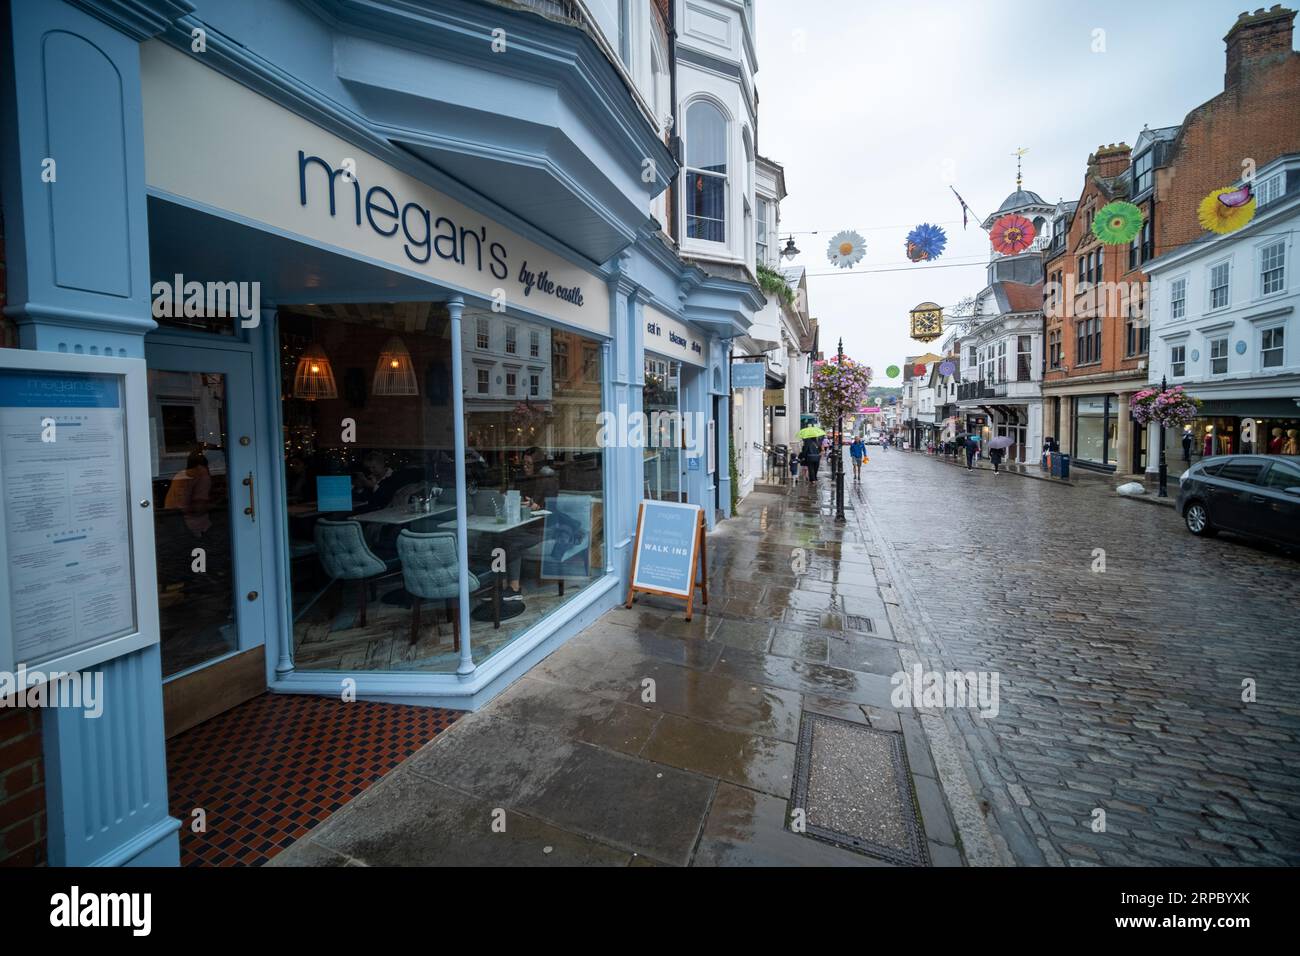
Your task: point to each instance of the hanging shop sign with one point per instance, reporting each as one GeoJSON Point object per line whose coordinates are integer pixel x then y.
{"type": "Point", "coordinates": [667, 336]}
{"type": "Point", "coordinates": [254, 158]}
{"type": "Point", "coordinates": [773, 397]}
{"type": "Point", "coordinates": [669, 553]}
{"type": "Point", "coordinates": [75, 523]}
{"type": "Point", "coordinates": [748, 374]}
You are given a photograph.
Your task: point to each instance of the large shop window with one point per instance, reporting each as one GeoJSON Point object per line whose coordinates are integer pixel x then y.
{"type": "Point", "coordinates": [1096, 428]}
{"type": "Point", "coordinates": [370, 482]}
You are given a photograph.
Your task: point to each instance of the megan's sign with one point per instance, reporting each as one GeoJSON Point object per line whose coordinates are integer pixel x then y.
{"type": "Point", "coordinates": [255, 161]}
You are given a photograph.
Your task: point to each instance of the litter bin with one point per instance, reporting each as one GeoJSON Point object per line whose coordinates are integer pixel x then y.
{"type": "Point", "coordinates": [1061, 466]}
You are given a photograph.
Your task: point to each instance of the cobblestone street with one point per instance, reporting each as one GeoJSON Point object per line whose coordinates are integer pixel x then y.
{"type": "Point", "coordinates": [1120, 689]}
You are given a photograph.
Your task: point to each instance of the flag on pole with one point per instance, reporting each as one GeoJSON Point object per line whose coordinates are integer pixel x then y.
{"type": "Point", "coordinates": [964, 208]}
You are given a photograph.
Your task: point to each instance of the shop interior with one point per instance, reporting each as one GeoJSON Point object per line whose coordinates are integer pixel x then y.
{"type": "Point", "coordinates": [370, 481]}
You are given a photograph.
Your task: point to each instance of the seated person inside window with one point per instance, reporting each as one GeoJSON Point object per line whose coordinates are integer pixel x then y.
{"type": "Point", "coordinates": [535, 481]}
{"type": "Point", "coordinates": [375, 486]}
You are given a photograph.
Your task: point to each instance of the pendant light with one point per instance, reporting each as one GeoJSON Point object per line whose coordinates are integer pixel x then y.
{"type": "Point", "coordinates": [314, 378]}
{"type": "Point", "coordinates": [394, 372]}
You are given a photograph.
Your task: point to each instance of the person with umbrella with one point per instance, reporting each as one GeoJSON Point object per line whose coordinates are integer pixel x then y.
{"type": "Point", "coordinates": [811, 435]}
{"type": "Point", "coordinates": [998, 448]}
{"type": "Point", "coordinates": [972, 448]}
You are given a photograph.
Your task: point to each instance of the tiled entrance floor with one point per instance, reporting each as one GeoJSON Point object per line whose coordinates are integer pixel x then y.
{"type": "Point", "coordinates": [269, 770]}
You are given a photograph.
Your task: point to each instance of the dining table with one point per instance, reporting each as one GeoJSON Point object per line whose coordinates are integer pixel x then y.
{"type": "Point", "coordinates": [491, 525]}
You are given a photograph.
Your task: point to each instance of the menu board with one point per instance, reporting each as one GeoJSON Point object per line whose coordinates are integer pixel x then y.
{"type": "Point", "coordinates": [64, 475]}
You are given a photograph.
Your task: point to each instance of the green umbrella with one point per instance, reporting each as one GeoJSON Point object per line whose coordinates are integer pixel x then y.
{"type": "Point", "coordinates": [810, 431]}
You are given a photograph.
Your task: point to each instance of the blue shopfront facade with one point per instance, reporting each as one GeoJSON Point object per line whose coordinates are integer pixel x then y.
{"type": "Point", "coordinates": [356, 245]}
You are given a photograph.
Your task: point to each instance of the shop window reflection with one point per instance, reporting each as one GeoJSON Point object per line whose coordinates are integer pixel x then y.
{"type": "Point", "coordinates": [662, 459]}
{"type": "Point", "coordinates": [371, 484]}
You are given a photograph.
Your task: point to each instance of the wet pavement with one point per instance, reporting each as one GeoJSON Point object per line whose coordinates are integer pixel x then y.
{"type": "Point", "coordinates": [647, 739]}
{"type": "Point", "coordinates": [1122, 643]}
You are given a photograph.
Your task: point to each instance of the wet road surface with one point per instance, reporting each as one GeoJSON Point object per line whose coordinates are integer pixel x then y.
{"type": "Point", "coordinates": [1121, 688]}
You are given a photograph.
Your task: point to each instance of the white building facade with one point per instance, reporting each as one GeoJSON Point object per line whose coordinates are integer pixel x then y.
{"type": "Point", "coordinates": [1224, 325]}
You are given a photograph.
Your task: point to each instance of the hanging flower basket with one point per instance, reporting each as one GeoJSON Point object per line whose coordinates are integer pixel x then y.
{"type": "Point", "coordinates": [1171, 408]}
{"type": "Point", "coordinates": [839, 387]}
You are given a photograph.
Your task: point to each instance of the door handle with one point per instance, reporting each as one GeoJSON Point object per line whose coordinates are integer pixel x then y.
{"type": "Point", "coordinates": [1258, 498]}
{"type": "Point", "coordinates": [251, 510]}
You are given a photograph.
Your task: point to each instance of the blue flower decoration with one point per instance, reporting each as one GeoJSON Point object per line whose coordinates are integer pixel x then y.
{"type": "Point", "coordinates": [926, 242]}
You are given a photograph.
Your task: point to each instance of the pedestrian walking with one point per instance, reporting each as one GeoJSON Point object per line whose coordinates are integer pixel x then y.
{"type": "Point", "coordinates": [857, 451]}
{"type": "Point", "coordinates": [995, 456]}
{"type": "Point", "coordinates": [972, 447]}
{"type": "Point", "coordinates": [794, 469]}
{"type": "Point", "coordinates": [812, 457]}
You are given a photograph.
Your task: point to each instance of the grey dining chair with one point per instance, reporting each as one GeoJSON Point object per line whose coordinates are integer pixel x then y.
{"type": "Point", "coordinates": [345, 556]}
{"type": "Point", "coordinates": [430, 573]}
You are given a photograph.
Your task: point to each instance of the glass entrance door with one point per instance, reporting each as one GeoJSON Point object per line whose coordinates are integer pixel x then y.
{"type": "Point", "coordinates": [206, 529]}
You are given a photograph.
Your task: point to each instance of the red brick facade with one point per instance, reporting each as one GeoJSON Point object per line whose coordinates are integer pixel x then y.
{"type": "Point", "coordinates": [22, 788]}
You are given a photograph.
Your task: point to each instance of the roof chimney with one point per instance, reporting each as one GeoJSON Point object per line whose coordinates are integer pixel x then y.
{"type": "Point", "coordinates": [1110, 161]}
{"type": "Point", "coordinates": [1255, 40]}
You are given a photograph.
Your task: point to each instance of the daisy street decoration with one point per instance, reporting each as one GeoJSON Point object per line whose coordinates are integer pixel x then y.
{"type": "Point", "coordinates": [846, 249]}
{"type": "Point", "coordinates": [1116, 223]}
{"type": "Point", "coordinates": [1170, 408]}
{"type": "Point", "coordinates": [1227, 210]}
{"type": "Point", "coordinates": [1011, 234]}
{"type": "Point", "coordinates": [926, 243]}
{"type": "Point", "coordinates": [839, 387]}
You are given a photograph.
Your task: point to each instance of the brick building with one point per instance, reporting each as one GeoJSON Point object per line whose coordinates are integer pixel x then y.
{"type": "Point", "coordinates": [1097, 295]}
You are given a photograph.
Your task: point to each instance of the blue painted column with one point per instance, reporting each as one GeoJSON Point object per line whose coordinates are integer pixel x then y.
{"type": "Point", "coordinates": [455, 308]}
{"type": "Point", "coordinates": [72, 161]}
{"type": "Point", "coordinates": [724, 428]}
{"type": "Point", "coordinates": [625, 376]}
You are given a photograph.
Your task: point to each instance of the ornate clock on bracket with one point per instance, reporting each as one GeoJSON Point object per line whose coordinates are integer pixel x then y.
{"type": "Point", "coordinates": [927, 321]}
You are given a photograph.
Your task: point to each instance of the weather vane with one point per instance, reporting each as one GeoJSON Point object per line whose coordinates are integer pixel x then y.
{"type": "Point", "coordinates": [1019, 153]}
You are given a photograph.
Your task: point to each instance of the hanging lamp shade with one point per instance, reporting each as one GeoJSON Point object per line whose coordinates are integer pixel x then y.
{"type": "Point", "coordinates": [314, 378]}
{"type": "Point", "coordinates": [394, 372]}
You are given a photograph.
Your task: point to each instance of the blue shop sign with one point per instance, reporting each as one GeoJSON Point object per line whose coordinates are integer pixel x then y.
{"type": "Point", "coordinates": [748, 374]}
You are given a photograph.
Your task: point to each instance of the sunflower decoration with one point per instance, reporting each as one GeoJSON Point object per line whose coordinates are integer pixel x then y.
{"type": "Point", "coordinates": [926, 242]}
{"type": "Point", "coordinates": [846, 249]}
{"type": "Point", "coordinates": [1012, 234]}
{"type": "Point", "coordinates": [1227, 210]}
{"type": "Point", "coordinates": [1116, 223]}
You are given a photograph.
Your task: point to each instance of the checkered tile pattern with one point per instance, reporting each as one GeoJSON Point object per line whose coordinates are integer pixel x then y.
{"type": "Point", "coordinates": [268, 771]}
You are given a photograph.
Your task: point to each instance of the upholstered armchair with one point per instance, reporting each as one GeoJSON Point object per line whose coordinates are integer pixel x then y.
{"type": "Point", "coordinates": [345, 556]}
{"type": "Point", "coordinates": [430, 573]}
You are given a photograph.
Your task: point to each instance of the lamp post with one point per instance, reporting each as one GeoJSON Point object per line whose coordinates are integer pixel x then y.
{"type": "Point", "coordinates": [838, 450]}
{"type": "Point", "coordinates": [1163, 490]}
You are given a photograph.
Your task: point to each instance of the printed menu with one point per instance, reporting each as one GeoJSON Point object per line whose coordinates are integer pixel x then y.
{"type": "Point", "coordinates": [63, 469]}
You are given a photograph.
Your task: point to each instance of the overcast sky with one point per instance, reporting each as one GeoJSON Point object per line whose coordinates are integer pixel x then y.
{"type": "Point", "coordinates": [875, 107]}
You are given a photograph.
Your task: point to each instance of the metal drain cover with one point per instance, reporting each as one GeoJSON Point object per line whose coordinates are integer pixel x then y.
{"type": "Point", "coordinates": [855, 788]}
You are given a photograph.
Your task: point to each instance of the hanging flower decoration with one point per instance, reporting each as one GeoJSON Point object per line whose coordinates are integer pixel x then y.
{"type": "Point", "coordinates": [839, 387]}
{"type": "Point", "coordinates": [926, 242]}
{"type": "Point", "coordinates": [1227, 210]}
{"type": "Point", "coordinates": [846, 249]}
{"type": "Point", "coordinates": [1171, 408]}
{"type": "Point", "coordinates": [1116, 223]}
{"type": "Point", "coordinates": [1012, 234]}
{"type": "Point", "coordinates": [918, 369]}
{"type": "Point", "coordinates": [892, 371]}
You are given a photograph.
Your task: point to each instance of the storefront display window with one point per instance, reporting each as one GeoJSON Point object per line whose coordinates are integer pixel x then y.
{"type": "Point", "coordinates": [370, 482]}
{"type": "Point", "coordinates": [1090, 429]}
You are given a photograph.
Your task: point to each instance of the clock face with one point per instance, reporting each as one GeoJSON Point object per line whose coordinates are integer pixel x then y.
{"type": "Point", "coordinates": [927, 324]}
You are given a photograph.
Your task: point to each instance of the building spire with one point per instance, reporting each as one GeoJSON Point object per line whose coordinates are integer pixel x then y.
{"type": "Point", "coordinates": [1018, 154]}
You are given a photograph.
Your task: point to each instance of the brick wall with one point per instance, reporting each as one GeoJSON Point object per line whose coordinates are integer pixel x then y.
{"type": "Point", "coordinates": [22, 788]}
{"type": "Point", "coordinates": [1257, 116]}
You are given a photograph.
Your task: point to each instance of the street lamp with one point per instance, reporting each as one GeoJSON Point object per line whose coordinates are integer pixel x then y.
{"type": "Point", "coordinates": [1163, 490]}
{"type": "Point", "coordinates": [838, 450]}
{"type": "Point", "coordinates": [790, 250]}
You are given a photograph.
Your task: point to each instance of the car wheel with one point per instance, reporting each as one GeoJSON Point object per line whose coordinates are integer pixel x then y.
{"type": "Point", "coordinates": [1197, 520]}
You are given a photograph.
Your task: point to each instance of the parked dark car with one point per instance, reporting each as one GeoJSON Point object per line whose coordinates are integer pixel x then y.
{"type": "Point", "coordinates": [1255, 495]}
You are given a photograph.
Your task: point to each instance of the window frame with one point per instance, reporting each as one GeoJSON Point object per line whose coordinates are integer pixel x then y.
{"type": "Point", "coordinates": [1261, 274]}
{"type": "Point", "coordinates": [1210, 287]}
{"type": "Point", "coordinates": [1210, 346]}
{"type": "Point", "coordinates": [1178, 361]}
{"type": "Point", "coordinates": [690, 171]}
{"type": "Point", "coordinates": [1280, 330]}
